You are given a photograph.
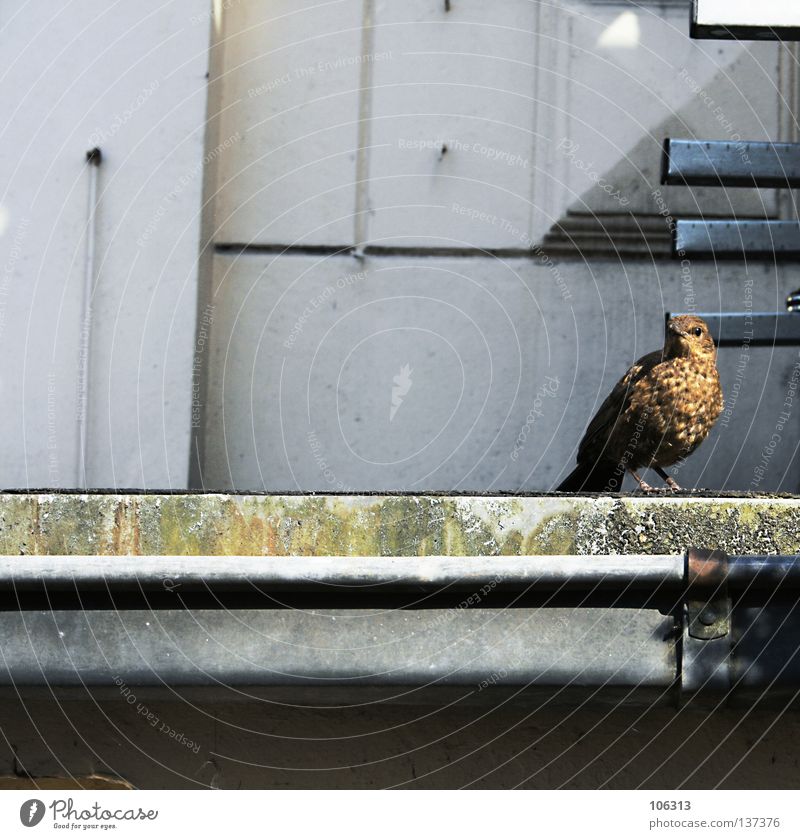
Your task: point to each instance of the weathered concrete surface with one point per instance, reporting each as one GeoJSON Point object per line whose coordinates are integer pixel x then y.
{"type": "Point", "coordinates": [392, 525]}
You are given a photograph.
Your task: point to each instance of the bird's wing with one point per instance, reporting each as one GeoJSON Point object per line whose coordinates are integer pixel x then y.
{"type": "Point", "coordinates": [616, 403]}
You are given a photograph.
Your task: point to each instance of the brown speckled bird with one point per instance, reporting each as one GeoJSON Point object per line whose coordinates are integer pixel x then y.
{"type": "Point", "coordinates": [658, 413]}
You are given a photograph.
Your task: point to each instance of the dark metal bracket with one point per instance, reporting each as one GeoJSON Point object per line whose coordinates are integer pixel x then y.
{"type": "Point", "coordinates": [708, 604]}
{"type": "Point", "coordinates": [705, 661]}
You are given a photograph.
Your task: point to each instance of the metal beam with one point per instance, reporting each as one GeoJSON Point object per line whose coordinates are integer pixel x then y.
{"type": "Point", "coordinates": [336, 575]}
{"type": "Point", "coordinates": [728, 239]}
{"type": "Point", "coordinates": [718, 163]}
{"type": "Point", "coordinates": [365, 575]}
{"type": "Point", "coordinates": [752, 329]}
{"type": "Point", "coordinates": [338, 648]}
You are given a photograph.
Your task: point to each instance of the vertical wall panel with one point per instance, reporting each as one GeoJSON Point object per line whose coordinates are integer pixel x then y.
{"type": "Point", "coordinates": [291, 92]}
{"type": "Point", "coordinates": [452, 128]}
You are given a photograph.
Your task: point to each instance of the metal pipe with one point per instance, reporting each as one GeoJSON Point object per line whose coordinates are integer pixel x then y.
{"type": "Point", "coordinates": [93, 158]}
{"type": "Point", "coordinates": [763, 572]}
{"type": "Point", "coordinates": [662, 574]}
{"type": "Point", "coordinates": [337, 574]}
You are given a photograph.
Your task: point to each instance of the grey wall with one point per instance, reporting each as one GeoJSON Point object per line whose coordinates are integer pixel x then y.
{"type": "Point", "coordinates": [131, 79]}
{"type": "Point", "coordinates": [506, 372]}
{"type": "Point", "coordinates": [320, 140]}
{"type": "Point", "coordinates": [380, 321]}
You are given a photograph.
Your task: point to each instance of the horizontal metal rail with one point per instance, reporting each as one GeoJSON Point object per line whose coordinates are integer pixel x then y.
{"type": "Point", "coordinates": [754, 329]}
{"type": "Point", "coordinates": [430, 573]}
{"type": "Point", "coordinates": [730, 239]}
{"type": "Point", "coordinates": [718, 163]}
{"type": "Point", "coordinates": [663, 573]}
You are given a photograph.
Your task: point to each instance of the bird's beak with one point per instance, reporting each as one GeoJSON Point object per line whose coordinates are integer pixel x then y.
{"type": "Point", "coordinates": [677, 331]}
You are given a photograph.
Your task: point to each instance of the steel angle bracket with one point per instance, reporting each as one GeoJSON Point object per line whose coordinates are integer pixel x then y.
{"type": "Point", "coordinates": [706, 654]}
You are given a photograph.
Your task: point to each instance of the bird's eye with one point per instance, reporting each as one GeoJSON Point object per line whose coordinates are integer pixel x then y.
{"type": "Point", "coordinates": [697, 331]}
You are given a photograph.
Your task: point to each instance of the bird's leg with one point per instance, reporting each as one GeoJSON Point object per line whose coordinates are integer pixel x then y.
{"type": "Point", "coordinates": [643, 485]}
{"type": "Point", "coordinates": [668, 479]}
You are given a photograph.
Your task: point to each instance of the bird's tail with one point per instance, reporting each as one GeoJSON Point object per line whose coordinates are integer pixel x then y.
{"type": "Point", "coordinates": [596, 476]}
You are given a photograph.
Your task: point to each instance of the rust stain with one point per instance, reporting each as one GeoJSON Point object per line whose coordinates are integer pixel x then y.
{"type": "Point", "coordinates": [707, 567]}
{"type": "Point", "coordinates": [116, 530]}
{"type": "Point", "coordinates": [36, 526]}
{"type": "Point", "coordinates": [125, 535]}
{"type": "Point", "coordinates": [272, 538]}
{"type": "Point", "coordinates": [137, 534]}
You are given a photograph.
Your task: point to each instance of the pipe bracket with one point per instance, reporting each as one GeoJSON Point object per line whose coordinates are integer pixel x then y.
{"type": "Point", "coordinates": [708, 603]}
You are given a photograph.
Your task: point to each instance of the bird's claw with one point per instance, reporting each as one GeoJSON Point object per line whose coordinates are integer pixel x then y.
{"type": "Point", "coordinates": [643, 485]}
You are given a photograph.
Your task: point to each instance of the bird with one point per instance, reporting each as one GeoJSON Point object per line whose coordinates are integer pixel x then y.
{"type": "Point", "coordinates": [658, 413]}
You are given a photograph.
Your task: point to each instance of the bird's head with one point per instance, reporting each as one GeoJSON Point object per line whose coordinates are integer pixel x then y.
{"type": "Point", "coordinates": [688, 336]}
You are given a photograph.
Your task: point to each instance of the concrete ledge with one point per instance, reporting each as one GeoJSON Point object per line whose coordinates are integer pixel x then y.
{"type": "Point", "coordinates": [392, 525]}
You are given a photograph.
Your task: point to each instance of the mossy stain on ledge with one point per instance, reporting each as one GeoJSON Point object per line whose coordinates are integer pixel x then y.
{"type": "Point", "coordinates": [391, 525]}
